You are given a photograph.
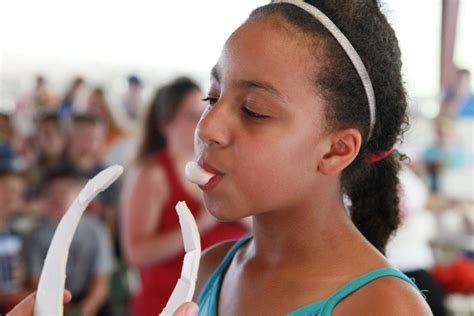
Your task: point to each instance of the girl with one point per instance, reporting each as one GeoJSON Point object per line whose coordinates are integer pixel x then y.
{"type": "Point", "coordinates": [295, 123]}
{"type": "Point", "coordinates": [292, 127]}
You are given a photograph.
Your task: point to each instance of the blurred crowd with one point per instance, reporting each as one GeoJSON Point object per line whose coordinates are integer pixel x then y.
{"type": "Point", "coordinates": [125, 256]}
{"type": "Point", "coordinates": [49, 147]}
{"type": "Point", "coordinates": [435, 244]}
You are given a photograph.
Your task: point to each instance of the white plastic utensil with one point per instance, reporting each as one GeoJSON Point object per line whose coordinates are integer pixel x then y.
{"type": "Point", "coordinates": [184, 289]}
{"type": "Point", "coordinates": [49, 296]}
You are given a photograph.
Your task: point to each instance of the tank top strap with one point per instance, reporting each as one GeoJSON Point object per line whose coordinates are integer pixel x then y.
{"type": "Point", "coordinates": [354, 285]}
{"type": "Point", "coordinates": [214, 282]}
{"type": "Point", "coordinates": [231, 253]}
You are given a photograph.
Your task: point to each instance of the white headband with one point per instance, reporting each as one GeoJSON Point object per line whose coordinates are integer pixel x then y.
{"type": "Point", "coordinates": [348, 48]}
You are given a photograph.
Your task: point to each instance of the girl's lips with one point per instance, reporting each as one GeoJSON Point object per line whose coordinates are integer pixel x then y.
{"type": "Point", "coordinates": [212, 183]}
{"type": "Point", "coordinates": [209, 168]}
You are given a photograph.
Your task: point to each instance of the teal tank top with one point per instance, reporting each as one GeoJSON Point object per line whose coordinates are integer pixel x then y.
{"type": "Point", "coordinates": [209, 297]}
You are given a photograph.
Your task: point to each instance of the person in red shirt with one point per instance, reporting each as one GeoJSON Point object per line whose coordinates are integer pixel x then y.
{"type": "Point", "coordinates": [151, 234]}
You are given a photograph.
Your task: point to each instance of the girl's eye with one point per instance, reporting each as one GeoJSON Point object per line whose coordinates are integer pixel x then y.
{"type": "Point", "coordinates": [253, 115]}
{"type": "Point", "coordinates": [210, 100]}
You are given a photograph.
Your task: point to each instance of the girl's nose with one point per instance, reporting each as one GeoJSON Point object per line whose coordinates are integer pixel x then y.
{"type": "Point", "coordinates": [214, 126]}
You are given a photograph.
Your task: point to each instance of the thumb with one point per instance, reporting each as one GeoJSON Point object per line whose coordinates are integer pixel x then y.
{"type": "Point", "coordinates": [25, 307]}
{"type": "Point", "coordinates": [187, 309]}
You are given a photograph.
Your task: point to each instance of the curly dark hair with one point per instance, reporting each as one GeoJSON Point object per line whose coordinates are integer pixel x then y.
{"type": "Point", "coordinates": [372, 188]}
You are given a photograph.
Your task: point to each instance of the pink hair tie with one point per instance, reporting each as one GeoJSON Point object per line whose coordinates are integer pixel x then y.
{"type": "Point", "coordinates": [376, 157]}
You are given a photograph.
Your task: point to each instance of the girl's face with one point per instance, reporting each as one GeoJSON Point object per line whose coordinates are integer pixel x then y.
{"type": "Point", "coordinates": [179, 132]}
{"type": "Point", "coordinates": [264, 129]}
{"type": "Point", "coordinates": [51, 141]}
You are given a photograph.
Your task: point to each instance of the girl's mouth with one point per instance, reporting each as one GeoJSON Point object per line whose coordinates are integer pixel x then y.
{"type": "Point", "coordinates": [212, 183]}
{"type": "Point", "coordinates": [202, 174]}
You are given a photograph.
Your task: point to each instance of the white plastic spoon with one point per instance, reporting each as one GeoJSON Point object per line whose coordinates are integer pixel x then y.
{"type": "Point", "coordinates": [49, 296]}
{"type": "Point", "coordinates": [184, 289]}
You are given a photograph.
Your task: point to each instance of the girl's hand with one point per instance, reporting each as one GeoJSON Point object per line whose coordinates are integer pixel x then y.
{"type": "Point", "coordinates": [187, 309]}
{"type": "Point", "coordinates": [27, 306]}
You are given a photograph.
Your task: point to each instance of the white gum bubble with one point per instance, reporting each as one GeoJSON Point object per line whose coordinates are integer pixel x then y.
{"type": "Point", "coordinates": [196, 174]}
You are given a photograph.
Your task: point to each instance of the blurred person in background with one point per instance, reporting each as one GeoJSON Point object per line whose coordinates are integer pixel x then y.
{"type": "Point", "coordinates": [16, 150]}
{"type": "Point", "coordinates": [116, 148]}
{"type": "Point", "coordinates": [42, 97]}
{"type": "Point", "coordinates": [132, 100]}
{"type": "Point", "coordinates": [50, 143]}
{"type": "Point", "coordinates": [7, 154]}
{"type": "Point", "coordinates": [446, 152]}
{"type": "Point", "coordinates": [409, 248]}
{"type": "Point", "coordinates": [13, 231]}
{"type": "Point", "coordinates": [465, 97]}
{"type": "Point", "coordinates": [90, 260]}
{"type": "Point", "coordinates": [150, 230]}
{"type": "Point", "coordinates": [86, 139]}
{"type": "Point", "coordinates": [14, 186]}
{"type": "Point", "coordinates": [98, 106]}
{"type": "Point", "coordinates": [458, 99]}
{"type": "Point", "coordinates": [67, 105]}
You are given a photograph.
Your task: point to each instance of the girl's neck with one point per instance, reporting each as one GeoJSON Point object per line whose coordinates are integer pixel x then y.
{"type": "Point", "coordinates": [310, 236]}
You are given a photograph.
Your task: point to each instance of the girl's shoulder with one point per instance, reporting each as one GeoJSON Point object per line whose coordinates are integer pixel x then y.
{"type": "Point", "coordinates": [210, 260]}
{"type": "Point", "coordinates": [386, 296]}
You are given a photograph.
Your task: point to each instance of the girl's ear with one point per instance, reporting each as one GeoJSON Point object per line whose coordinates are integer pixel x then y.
{"type": "Point", "coordinates": [344, 147]}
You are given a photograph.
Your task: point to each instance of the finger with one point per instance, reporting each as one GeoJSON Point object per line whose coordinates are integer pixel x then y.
{"type": "Point", "coordinates": [67, 296]}
{"type": "Point", "coordinates": [25, 307]}
{"type": "Point", "coordinates": [187, 309]}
